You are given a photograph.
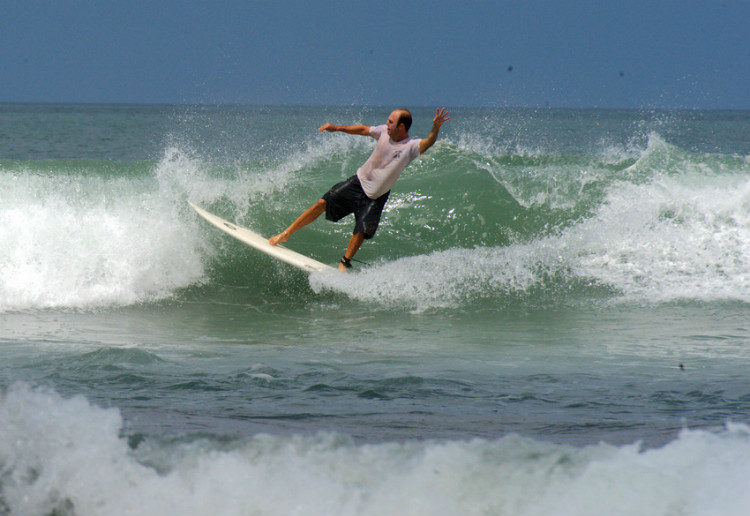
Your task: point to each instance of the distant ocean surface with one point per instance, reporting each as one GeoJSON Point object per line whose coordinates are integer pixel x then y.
{"type": "Point", "coordinates": [553, 319]}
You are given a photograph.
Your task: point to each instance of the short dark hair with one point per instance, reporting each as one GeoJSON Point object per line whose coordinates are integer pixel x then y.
{"type": "Point", "coordinates": [404, 118]}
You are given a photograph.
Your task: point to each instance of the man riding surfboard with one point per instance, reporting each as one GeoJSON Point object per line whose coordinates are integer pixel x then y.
{"type": "Point", "coordinates": [366, 192]}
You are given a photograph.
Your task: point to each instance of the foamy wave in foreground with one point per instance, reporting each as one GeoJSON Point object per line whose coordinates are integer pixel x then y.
{"type": "Point", "coordinates": [66, 456]}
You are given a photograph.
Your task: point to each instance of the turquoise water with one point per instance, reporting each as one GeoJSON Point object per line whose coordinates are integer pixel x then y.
{"type": "Point", "coordinates": [553, 315]}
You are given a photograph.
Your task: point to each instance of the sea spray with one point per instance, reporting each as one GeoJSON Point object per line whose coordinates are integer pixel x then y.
{"type": "Point", "coordinates": [494, 213]}
{"type": "Point", "coordinates": [88, 238]}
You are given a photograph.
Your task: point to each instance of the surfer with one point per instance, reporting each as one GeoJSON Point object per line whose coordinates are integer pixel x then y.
{"type": "Point", "coordinates": [366, 192]}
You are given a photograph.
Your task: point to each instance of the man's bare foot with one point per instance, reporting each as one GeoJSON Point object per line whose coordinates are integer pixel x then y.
{"type": "Point", "coordinates": [281, 237]}
{"type": "Point", "coordinates": [343, 268]}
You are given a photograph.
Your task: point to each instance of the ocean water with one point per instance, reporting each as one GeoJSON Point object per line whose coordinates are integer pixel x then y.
{"type": "Point", "coordinates": [554, 317]}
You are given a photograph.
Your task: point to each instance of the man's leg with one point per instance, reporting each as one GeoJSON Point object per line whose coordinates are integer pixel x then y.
{"type": "Point", "coordinates": [354, 243]}
{"type": "Point", "coordinates": [309, 215]}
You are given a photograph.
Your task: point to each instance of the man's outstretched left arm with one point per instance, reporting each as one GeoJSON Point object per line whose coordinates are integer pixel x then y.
{"type": "Point", "coordinates": [441, 116]}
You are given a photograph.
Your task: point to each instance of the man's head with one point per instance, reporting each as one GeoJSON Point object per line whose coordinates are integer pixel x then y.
{"type": "Point", "coordinates": [398, 124]}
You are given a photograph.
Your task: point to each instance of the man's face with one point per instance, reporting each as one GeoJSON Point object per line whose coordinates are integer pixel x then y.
{"type": "Point", "coordinates": [395, 131]}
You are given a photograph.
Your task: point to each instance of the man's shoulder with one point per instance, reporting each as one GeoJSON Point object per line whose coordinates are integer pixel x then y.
{"type": "Point", "coordinates": [377, 130]}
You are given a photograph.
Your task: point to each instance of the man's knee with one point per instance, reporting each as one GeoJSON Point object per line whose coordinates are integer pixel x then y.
{"type": "Point", "coordinates": [320, 206]}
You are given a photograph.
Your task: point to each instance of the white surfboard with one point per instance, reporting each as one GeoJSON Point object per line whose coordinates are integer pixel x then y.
{"type": "Point", "coordinates": [261, 243]}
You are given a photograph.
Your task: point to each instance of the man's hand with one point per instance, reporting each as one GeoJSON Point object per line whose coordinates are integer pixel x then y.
{"type": "Point", "coordinates": [327, 127]}
{"type": "Point", "coordinates": [441, 116]}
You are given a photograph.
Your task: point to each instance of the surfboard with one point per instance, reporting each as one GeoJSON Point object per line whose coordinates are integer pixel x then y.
{"type": "Point", "coordinates": [260, 243]}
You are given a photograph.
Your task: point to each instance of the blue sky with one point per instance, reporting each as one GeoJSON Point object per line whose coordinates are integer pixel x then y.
{"type": "Point", "coordinates": [631, 54]}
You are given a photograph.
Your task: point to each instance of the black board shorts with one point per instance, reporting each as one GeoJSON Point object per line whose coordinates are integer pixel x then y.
{"type": "Point", "coordinates": [348, 197]}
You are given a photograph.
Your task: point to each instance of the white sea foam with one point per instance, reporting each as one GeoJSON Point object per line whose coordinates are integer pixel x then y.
{"type": "Point", "coordinates": [66, 456]}
{"type": "Point", "coordinates": [685, 237]}
{"type": "Point", "coordinates": [675, 237]}
{"type": "Point", "coordinates": [81, 240]}
{"type": "Point", "coordinates": [77, 242]}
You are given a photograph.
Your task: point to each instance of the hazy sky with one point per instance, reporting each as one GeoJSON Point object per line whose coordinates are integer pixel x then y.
{"type": "Point", "coordinates": [577, 53]}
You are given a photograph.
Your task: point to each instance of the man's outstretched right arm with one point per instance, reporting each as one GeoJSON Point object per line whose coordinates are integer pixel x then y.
{"type": "Point", "coordinates": [359, 129]}
{"type": "Point", "coordinates": [441, 116]}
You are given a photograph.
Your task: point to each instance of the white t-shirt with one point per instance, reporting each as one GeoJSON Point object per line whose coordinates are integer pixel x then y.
{"type": "Point", "coordinates": [387, 161]}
